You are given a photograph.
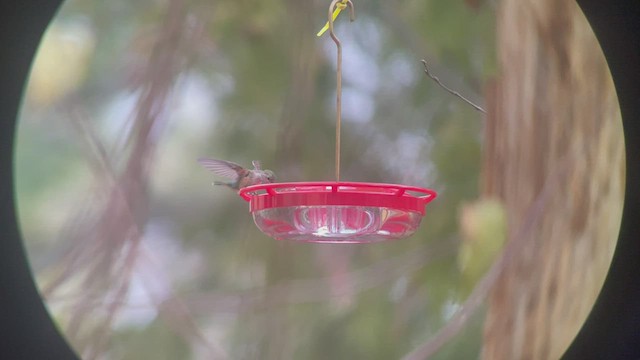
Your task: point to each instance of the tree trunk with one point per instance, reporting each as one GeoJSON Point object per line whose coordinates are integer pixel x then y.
{"type": "Point", "coordinates": [553, 114]}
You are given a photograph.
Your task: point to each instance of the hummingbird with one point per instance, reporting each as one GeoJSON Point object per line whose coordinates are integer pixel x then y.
{"type": "Point", "coordinates": [240, 176]}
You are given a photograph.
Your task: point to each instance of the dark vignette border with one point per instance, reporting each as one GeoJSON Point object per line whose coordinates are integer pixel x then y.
{"type": "Point", "coordinates": [612, 331]}
{"type": "Point", "coordinates": [26, 330]}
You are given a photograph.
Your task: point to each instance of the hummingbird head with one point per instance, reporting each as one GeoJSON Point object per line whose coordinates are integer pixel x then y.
{"type": "Point", "coordinates": [271, 177]}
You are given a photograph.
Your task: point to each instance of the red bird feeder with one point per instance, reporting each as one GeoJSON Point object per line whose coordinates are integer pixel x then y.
{"type": "Point", "coordinates": [337, 212]}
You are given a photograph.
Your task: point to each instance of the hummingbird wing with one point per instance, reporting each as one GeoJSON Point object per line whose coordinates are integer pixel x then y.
{"type": "Point", "coordinates": [256, 164]}
{"type": "Point", "coordinates": [223, 168]}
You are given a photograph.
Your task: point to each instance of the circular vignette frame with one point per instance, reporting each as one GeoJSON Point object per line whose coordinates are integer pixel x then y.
{"type": "Point", "coordinates": [28, 332]}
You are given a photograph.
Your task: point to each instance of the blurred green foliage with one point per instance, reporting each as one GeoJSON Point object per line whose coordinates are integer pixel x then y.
{"type": "Point", "coordinates": [258, 83]}
{"type": "Point", "coordinates": [484, 233]}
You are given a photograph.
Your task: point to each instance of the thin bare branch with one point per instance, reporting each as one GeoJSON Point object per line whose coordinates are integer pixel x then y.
{"type": "Point", "coordinates": [450, 91]}
{"type": "Point", "coordinates": [416, 43]}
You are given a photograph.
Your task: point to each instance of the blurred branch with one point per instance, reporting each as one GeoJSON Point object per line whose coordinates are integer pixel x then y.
{"type": "Point", "coordinates": [104, 169]}
{"type": "Point", "coordinates": [450, 91]}
{"type": "Point", "coordinates": [178, 317]}
{"type": "Point", "coordinates": [315, 290]}
{"type": "Point", "coordinates": [99, 160]}
{"type": "Point", "coordinates": [518, 238]}
{"type": "Point", "coordinates": [310, 290]}
{"type": "Point", "coordinates": [106, 246]}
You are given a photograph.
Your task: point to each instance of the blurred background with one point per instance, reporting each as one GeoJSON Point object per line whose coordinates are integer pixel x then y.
{"type": "Point", "coordinates": [137, 256]}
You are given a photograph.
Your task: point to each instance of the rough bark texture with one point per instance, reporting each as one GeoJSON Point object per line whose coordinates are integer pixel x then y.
{"type": "Point", "coordinates": [552, 112]}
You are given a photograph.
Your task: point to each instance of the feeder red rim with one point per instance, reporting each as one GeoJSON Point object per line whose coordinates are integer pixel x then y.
{"type": "Point", "coordinates": [336, 186]}
{"type": "Point", "coordinates": [332, 193]}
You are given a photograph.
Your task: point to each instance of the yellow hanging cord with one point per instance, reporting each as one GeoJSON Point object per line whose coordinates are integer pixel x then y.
{"type": "Point", "coordinates": [339, 7]}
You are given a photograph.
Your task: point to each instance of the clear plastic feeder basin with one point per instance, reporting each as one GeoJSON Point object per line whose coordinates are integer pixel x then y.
{"type": "Point", "coordinates": [337, 212]}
